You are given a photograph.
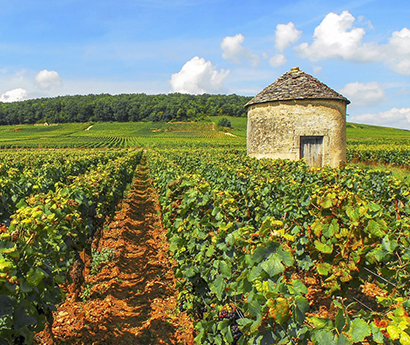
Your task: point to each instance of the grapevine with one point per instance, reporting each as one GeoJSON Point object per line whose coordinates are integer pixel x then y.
{"type": "Point", "coordinates": [308, 255]}
{"type": "Point", "coordinates": [44, 237]}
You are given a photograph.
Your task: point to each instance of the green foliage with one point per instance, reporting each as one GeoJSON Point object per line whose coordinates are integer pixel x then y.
{"type": "Point", "coordinates": [378, 145]}
{"type": "Point", "coordinates": [99, 258]}
{"type": "Point", "coordinates": [390, 154]}
{"type": "Point", "coordinates": [256, 233]}
{"type": "Point", "coordinates": [47, 228]}
{"type": "Point", "coordinates": [121, 108]}
{"type": "Point", "coordinates": [86, 292]}
{"type": "Point", "coordinates": [243, 231]}
{"type": "Point", "coordinates": [224, 122]}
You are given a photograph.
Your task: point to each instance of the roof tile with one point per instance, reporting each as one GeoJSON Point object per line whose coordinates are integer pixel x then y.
{"type": "Point", "coordinates": [296, 84]}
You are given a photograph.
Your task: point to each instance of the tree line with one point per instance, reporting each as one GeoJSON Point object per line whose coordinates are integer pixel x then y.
{"type": "Point", "coordinates": [121, 108]}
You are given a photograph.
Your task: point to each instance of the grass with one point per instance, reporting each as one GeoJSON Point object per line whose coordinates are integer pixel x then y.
{"type": "Point", "coordinates": [375, 134]}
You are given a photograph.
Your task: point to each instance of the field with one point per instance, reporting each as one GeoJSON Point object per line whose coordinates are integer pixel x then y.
{"type": "Point", "coordinates": [167, 233]}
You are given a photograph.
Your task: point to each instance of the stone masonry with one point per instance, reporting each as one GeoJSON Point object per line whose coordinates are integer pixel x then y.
{"type": "Point", "coordinates": [297, 106]}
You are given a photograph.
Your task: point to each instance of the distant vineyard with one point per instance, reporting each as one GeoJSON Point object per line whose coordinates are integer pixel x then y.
{"type": "Point", "coordinates": [395, 155]}
{"type": "Point", "coordinates": [118, 135]}
{"type": "Point", "coordinates": [275, 252]}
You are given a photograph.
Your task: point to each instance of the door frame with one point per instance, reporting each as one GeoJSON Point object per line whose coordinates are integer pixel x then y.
{"type": "Point", "coordinates": [320, 138]}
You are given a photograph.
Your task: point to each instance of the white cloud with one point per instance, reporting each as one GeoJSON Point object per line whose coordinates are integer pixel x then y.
{"type": "Point", "coordinates": [278, 60]}
{"type": "Point", "coordinates": [234, 52]}
{"type": "Point", "coordinates": [399, 118]}
{"type": "Point", "coordinates": [363, 20]}
{"type": "Point", "coordinates": [14, 95]}
{"type": "Point", "coordinates": [398, 50]}
{"type": "Point", "coordinates": [46, 79]}
{"type": "Point", "coordinates": [198, 76]}
{"type": "Point", "coordinates": [404, 91]}
{"type": "Point", "coordinates": [364, 93]}
{"type": "Point", "coordinates": [317, 69]}
{"type": "Point", "coordinates": [336, 38]}
{"type": "Point", "coordinates": [285, 35]}
{"type": "Point", "coordinates": [19, 76]}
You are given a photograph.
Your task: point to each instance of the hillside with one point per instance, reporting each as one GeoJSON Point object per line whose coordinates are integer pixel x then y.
{"type": "Point", "coordinates": [92, 134]}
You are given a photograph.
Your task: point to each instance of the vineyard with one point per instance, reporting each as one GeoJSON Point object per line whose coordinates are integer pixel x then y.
{"type": "Point", "coordinates": [52, 206]}
{"type": "Point", "coordinates": [262, 251]}
{"type": "Point", "coordinates": [300, 255]}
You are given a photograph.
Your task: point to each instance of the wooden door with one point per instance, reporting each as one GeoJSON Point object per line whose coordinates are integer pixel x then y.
{"type": "Point", "coordinates": [311, 148]}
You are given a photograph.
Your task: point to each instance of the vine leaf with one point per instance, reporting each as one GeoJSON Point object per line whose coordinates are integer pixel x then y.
{"type": "Point", "coordinates": [323, 247]}
{"type": "Point", "coordinates": [273, 266]}
{"type": "Point", "coordinates": [225, 269]}
{"type": "Point", "coordinates": [218, 286]}
{"type": "Point", "coordinates": [323, 268]}
{"type": "Point", "coordinates": [330, 230]}
{"type": "Point", "coordinates": [35, 276]}
{"type": "Point", "coordinates": [359, 330]}
{"type": "Point", "coordinates": [324, 337]}
{"type": "Point", "coordinates": [394, 332]}
{"type": "Point", "coordinates": [302, 307]}
{"type": "Point", "coordinates": [378, 336]}
{"type": "Point", "coordinates": [340, 321]}
{"type": "Point", "coordinates": [404, 339]}
{"type": "Point", "coordinates": [377, 228]}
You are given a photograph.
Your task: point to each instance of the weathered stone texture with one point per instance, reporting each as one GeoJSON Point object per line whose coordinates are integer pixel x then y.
{"type": "Point", "coordinates": [296, 111]}
{"type": "Point", "coordinates": [275, 128]}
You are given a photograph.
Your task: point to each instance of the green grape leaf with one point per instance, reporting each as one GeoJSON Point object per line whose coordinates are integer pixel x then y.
{"type": "Point", "coordinates": [218, 286]}
{"type": "Point", "coordinates": [404, 338]}
{"type": "Point", "coordinates": [378, 336]}
{"type": "Point", "coordinates": [323, 268]}
{"type": "Point", "coordinates": [299, 287]}
{"type": "Point", "coordinates": [273, 265]}
{"type": "Point", "coordinates": [5, 264]}
{"type": "Point", "coordinates": [302, 307]}
{"type": "Point", "coordinates": [394, 332]}
{"type": "Point", "coordinates": [7, 247]}
{"type": "Point", "coordinates": [377, 228]}
{"type": "Point", "coordinates": [286, 257]}
{"type": "Point", "coordinates": [343, 340]}
{"type": "Point", "coordinates": [359, 330]}
{"type": "Point", "coordinates": [255, 273]}
{"type": "Point", "coordinates": [340, 320]}
{"type": "Point", "coordinates": [35, 276]}
{"type": "Point", "coordinates": [320, 322]}
{"type": "Point", "coordinates": [324, 337]}
{"type": "Point", "coordinates": [323, 247]}
{"type": "Point", "coordinates": [330, 230]}
{"type": "Point", "coordinates": [225, 269]}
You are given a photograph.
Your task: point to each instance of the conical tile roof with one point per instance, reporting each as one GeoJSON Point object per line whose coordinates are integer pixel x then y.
{"type": "Point", "coordinates": [296, 84]}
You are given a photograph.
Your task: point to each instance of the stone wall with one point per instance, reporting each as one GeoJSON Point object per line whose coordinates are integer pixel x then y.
{"type": "Point", "coordinates": [275, 128]}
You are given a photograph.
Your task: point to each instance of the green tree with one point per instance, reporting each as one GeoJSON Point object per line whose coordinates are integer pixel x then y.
{"type": "Point", "coordinates": [224, 122]}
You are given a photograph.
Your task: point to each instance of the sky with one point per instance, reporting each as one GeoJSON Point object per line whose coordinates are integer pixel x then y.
{"type": "Point", "coordinates": [360, 48]}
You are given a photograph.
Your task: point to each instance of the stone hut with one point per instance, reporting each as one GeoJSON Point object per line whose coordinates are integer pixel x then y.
{"type": "Point", "coordinates": [298, 117]}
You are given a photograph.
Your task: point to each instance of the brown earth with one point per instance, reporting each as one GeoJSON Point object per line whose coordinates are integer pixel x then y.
{"type": "Point", "coordinates": [133, 299]}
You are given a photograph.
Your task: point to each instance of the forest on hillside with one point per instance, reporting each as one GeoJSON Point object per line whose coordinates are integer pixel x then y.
{"type": "Point", "coordinates": [121, 108]}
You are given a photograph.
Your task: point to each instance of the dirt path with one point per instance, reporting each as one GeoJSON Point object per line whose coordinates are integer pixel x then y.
{"type": "Point", "coordinates": [132, 300]}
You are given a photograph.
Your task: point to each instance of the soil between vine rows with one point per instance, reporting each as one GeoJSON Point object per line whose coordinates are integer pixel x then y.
{"type": "Point", "coordinates": [133, 299]}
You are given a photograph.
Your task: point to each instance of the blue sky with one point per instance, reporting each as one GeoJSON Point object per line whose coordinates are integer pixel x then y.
{"type": "Point", "coordinates": [359, 48]}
